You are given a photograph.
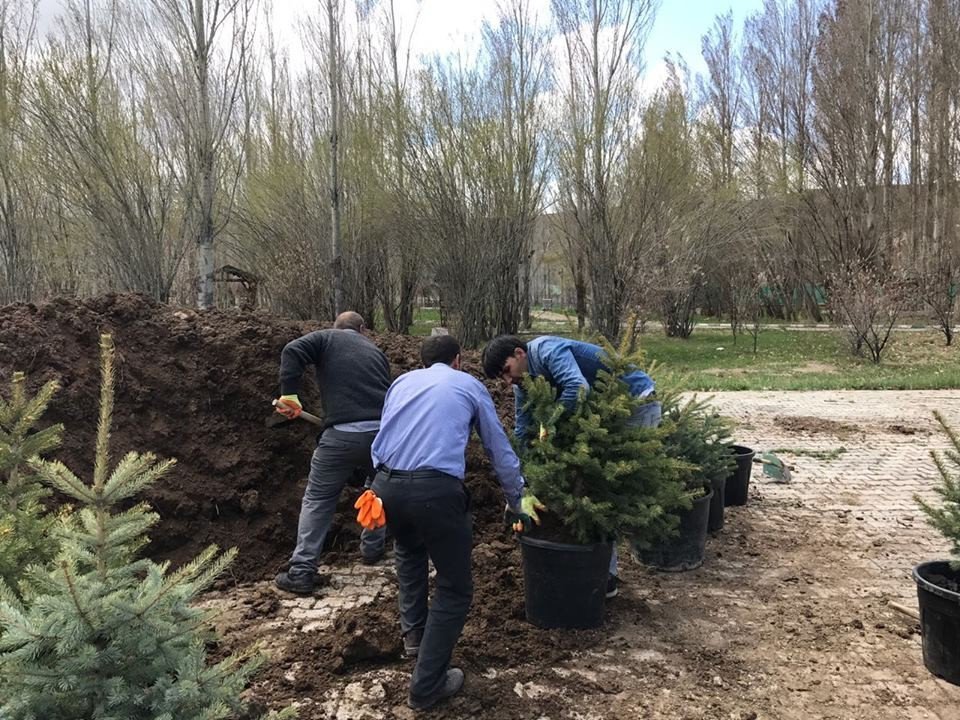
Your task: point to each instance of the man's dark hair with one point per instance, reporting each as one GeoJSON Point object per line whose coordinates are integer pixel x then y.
{"type": "Point", "coordinates": [497, 351]}
{"type": "Point", "coordinates": [439, 348]}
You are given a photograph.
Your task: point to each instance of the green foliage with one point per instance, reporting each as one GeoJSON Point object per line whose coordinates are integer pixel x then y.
{"type": "Point", "coordinates": [946, 516]}
{"type": "Point", "coordinates": [25, 527]}
{"type": "Point", "coordinates": [102, 633]}
{"type": "Point", "coordinates": [593, 470]}
{"type": "Point", "coordinates": [694, 432]}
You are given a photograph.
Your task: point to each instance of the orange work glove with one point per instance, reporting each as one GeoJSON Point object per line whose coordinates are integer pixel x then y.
{"type": "Point", "coordinates": [289, 406]}
{"type": "Point", "coordinates": [371, 515]}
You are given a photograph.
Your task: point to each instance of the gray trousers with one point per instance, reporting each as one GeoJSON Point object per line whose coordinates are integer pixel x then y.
{"type": "Point", "coordinates": [337, 456]}
{"type": "Point", "coordinates": [644, 416]}
{"type": "Point", "coordinates": [428, 513]}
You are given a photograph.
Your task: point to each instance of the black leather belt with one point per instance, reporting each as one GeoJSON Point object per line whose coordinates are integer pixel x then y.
{"type": "Point", "coordinates": [424, 474]}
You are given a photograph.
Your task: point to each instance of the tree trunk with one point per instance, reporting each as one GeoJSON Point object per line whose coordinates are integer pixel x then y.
{"type": "Point", "coordinates": [337, 254]}
{"type": "Point", "coordinates": [205, 253]}
{"type": "Point", "coordinates": [580, 288]}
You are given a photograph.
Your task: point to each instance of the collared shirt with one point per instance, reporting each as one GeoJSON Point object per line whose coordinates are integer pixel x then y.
{"type": "Point", "coordinates": [426, 423]}
{"type": "Point", "coordinates": [568, 365]}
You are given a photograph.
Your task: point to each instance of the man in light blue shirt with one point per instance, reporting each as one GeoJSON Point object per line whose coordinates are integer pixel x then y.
{"type": "Point", "coordinates": [427, 419]}
{"type": "Point", "coordinates": [567, 365]}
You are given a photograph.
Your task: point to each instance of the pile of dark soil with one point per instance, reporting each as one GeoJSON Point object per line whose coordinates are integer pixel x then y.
{"type": "Point", "coordinates": [195, 386]}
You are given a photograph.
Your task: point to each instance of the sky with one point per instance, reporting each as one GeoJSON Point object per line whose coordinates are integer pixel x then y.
{"type": "Point", "coordinates": [679, 26]}
{"type": "Point", "coordinates": [446, 26]}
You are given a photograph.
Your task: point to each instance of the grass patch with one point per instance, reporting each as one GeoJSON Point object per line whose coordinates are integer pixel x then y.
{"type": "Point", "coordinates": [424, 320]}
{"type": "Point", "coordinates": [826, 455]}
{"type": "Point", "coordinates": [786, 359]}
{"type": "Point", "coordinates": [803, 360]}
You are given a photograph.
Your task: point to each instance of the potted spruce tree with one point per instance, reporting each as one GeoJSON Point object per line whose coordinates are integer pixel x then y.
{"type": "Point", "coordinates": [938, 582]}
{"type": "Point", "coordinates": [693, 433]}
{"type": "Point", "coordinates": [599, 478]}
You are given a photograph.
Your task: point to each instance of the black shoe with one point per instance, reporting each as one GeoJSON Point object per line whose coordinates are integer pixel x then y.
{"type": "Point", "coordinates": [612, 582]}
{"type": "Point", "coordinates": [450, 688]}
{"type": "Point", "coordinates": [371, 559]}
{"type": "Point", "coordinates": [299, 584]}
{"type": "Point", "coordinates": [411, 642]}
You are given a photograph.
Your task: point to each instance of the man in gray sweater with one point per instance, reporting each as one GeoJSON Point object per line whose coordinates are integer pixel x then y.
{"type": "Point", "coordinates": [353, 376]}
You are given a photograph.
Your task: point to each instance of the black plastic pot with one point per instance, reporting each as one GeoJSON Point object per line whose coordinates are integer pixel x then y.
{"type": "Point", "coordinates": [738, 482]}
{"type": "Point", "coordinates": [715, 521]}
{"type": "Point", "coordinates": [564, 585]}
{"type": "Point", "coordinates": [685, 550]}
{"type": "Point", "coordinates": [937, 592]}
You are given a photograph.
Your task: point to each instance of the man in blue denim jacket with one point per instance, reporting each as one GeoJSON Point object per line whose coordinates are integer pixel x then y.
{"type": "Point", "coordinates": [567, 365]}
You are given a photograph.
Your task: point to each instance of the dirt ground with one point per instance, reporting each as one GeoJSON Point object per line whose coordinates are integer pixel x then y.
{"type": "Point", "coordinates": [789, 617]}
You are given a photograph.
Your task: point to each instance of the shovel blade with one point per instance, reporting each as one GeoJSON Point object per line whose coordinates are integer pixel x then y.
{"type": "Point", "coordinates": [275, 419]}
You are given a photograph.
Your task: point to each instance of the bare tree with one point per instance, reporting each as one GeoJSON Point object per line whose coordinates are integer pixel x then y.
{"type": "Point", "coordinates": [103, 141]}
{"type": "Point", "coordinates": [603, 44]}
{"type": "Point", "coordinates": [742, 288]}
{"type": "Point", "coordinates": [332, 8]}
{"type": "Point", "coordinates": [444, 158]}
{"type": "Point", "coordinates": [195, 63]}
{"type": "Point", "coordinates": [855, 144]}
{"type": "Point", "coordinates": [677, 207]}
{"type": "Point", "coordinates": [18, 200]}
{"type": "Point", "coordinates": [475, 173]}
{"type": "Point", "coordinates": [865, 303]}
{"type": "Point", "coordinates": [663, 169]}
{"type": "Point", "coordinates": [936, 244]}
{"type": "Point", "coordinates": [281, 231]}
{"type": "Point", "coordinates": [937, 285]}
{"type": "Point", "coordinates": [516, 44]}
{"type": "Point", "coordinates": [401, 261]}
{"type": "Point", "coordinates": [779, 43]}
{"type": "Point", "coordinates": [721, 95]}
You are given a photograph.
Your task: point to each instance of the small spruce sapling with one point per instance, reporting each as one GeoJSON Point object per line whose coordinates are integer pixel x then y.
{"type": "Point", "coordinates": [698, 435]}
{"type": "Point", "coordinates": [26, 528]}
{"type": "Point", "coordinates": [106, 634]}
{"type": "Point", "coordinates": [945, 517]}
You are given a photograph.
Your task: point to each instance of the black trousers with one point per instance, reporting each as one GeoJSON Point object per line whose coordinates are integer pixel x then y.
{"type": "Point", "coordinates": [428, 514]}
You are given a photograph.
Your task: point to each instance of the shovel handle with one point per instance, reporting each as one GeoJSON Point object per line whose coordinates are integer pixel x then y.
{"type": "Point", "coordinates": [304, 415]}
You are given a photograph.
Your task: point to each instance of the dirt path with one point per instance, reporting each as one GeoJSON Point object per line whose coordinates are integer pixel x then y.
{"type": "Point", "coordinates": [788, 618]}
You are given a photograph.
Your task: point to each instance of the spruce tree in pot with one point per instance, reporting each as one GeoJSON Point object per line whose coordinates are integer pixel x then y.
{"type": "Point", "coordinates": [938, 583]}
{"type": "Point", "coordinates": [600, 478]}
{"type": "Point", "coordinates": [695, 434]}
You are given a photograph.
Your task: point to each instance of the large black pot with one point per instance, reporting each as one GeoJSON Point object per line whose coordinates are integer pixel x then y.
{"type": "Point", "coordinates": [564, 585]}
{"type": "Point", "coordinates": [738, 482]}
{"type": "Point", "coordinates": [938, 592]}
{"type": "Point", "coordinates": [715, 522]}
{"type": "Point", "coordinates": [685, 550]}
